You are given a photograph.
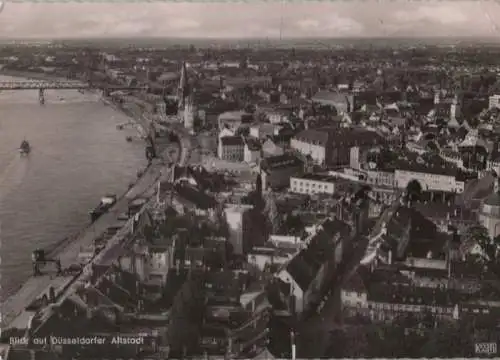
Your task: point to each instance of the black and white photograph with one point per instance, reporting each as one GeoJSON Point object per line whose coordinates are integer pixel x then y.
{"type": "Point", "coordinates": [249, 179]}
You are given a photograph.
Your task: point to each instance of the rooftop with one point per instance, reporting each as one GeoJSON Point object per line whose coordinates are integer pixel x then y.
{"type": "Point", "coordinates": [317, 177]}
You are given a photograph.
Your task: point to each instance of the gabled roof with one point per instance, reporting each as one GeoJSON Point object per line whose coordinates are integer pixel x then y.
{"type": "Point", "coordinates": [320, 136]}
{"type": "Point", "coordinates": [304, 266]}
{"type": "Point", "coordinates": [355, 283]}
{"type": "Point", "coordinates": [116, 294]}
{"type": "Point", "coordinates": [300, 271]}
{"type": "Point", "coordinates": [196, 197]}
{"type": "Point", "coordinates": [280, 161]}
{"type": "Point", "coordinates": [231, 141]}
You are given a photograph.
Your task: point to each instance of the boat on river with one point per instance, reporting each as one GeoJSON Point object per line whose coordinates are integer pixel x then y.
{"type": "Point", "coordinates": [106, 203]}
{"type": "Point", "coordinates": [25, 148]}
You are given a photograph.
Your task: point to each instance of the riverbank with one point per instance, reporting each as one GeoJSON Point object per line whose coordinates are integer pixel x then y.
{"type": "Point", "coordinates": [30, 75]}
{"type": "Point", "coordinates": [13, 309]}
{"type": "Point", "coordinates": [54, 249]}
{"type": "Point", "coordinates": [68, 250]}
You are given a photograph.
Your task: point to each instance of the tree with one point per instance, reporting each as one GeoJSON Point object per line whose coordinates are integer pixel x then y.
{"type": "Point", "coordinates": [413, 191]}
{"type": "Point", "coordinates": [449, 341]}
{"type": "Point", "coordinates": [478, 234]}
{"type": "Point", "coordinates": [293, 224]}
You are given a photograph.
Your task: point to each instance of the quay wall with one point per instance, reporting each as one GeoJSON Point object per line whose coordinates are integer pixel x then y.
{"type": "Point", "coordinates": [61, 246]}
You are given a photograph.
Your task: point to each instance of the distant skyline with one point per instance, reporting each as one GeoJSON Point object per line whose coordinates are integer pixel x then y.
{"type": "Point", "coordinates": [334, 19]}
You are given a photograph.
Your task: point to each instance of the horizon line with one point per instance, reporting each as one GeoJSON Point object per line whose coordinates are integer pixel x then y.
{"type": "Point", "coordinates": [273, 37]}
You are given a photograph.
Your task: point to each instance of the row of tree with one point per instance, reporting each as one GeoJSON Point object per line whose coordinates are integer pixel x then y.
{"type": "Point", "coordinates": [450, 340]}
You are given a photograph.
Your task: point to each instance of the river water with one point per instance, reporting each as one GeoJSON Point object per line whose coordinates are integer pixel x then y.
{"type": "Point", "coordinates": [78, 156]}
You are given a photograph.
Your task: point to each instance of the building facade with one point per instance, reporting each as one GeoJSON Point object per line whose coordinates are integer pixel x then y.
{"type": "Point", "coordinates": [276, 171]}
{"type": "Point", "coordinates": [312, 184]}
{"type": "Point", "coordinates": [231, 148]}
{"type": "Point", "coordinates": [430, 181]}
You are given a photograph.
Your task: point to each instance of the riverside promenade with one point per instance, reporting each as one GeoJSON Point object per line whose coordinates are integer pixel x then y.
{"type": "Point", "coordinates": [13, 309]}
{"type": "Point", "coordinates": [13, 312]}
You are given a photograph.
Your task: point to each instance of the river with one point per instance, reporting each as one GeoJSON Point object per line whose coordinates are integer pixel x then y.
{"type": "Point", "coordinates": [78, 156]}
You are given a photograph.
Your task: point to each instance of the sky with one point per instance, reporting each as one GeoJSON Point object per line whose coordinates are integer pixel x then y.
{"type": "Point", "coordinates": [253, 19]}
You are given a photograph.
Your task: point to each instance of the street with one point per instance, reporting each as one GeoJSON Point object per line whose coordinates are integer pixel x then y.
{"type": "Point", "coordinates": [314, 333]}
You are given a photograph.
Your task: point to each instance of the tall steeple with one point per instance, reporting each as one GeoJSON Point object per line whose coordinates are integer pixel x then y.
{"type": "Point", "coordinates": [183, 90]}
{"type": "Point", "coordinates": [188, 114]}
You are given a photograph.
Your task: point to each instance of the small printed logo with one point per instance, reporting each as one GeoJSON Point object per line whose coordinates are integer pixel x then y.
{"type": "Point", "coordinates": [486, 348]}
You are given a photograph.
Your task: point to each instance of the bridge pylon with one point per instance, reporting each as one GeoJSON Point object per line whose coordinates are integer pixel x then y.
{"type": "Point", "coordinates": [41, 96]}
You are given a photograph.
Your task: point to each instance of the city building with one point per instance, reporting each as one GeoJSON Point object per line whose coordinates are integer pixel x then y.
{"type": "Point", "coordinates": [236, 316]}
{"type": "Point", "coordinates": [310, 269]}
{"type": "Point", "coordinates": [387, 295]}
{"type": "Point", "coordinates": [151, 264]}
{"type": "Point", "coordinates": [271, 148]}
{"type": "Point", "coordinates": [277, 170]}
{"type": "Point", "coordinates": [343, 103]}
{"type": "Point", "coordinates": [252, 152]}
{"type": "Point", "coordinates": [494, 102]}
{"type": "Point", "coordinates": [380, 178]}
{"type": "Point", "coordinates": [314, 143]}
{"type": "Point", "coordinates": [313, 184]}
{"type": "Point", "coordinates": [239, 223]}
{"type": "Point", "coordinates": [277, 116]}
{"type": "Point", "coordinates": [330, 146]}
{"type": "Point", "coordinates": [278, 250]}
{"type": "Point", "coordinates": [489, 213]}
{"type": "Point", "coordinates": [437, 179]}
{"type": "Point", "coordinates": [263, 130]}
{"type": "Point", "coordinates": [233, 120]}
{"type": "Point", "coordinates": [231, 148]}
{"type": "Point", "coordinates": [264, 257]}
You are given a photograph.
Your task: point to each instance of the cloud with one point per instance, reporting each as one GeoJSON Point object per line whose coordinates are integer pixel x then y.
{"type": "Point", "coordinates": [332, 25]}
{"type": "Point", "coordinates": [308, 24]}
{"type": "Point", "coordinates": [441, 14]}
{"type": "Point", "coordinates": [248, 19]}
{"type": "Point", "coordinates": [184, 23]}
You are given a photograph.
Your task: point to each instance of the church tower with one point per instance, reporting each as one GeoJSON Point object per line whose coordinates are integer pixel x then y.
{"type": "Point", "coordinates": [455, 108]}
{"type": "Point", "coordinates": [183, 90]}
{"type": "Point", "coordinates": [188, 114]}
{"type": "Point", "coordinates": [186, 109]}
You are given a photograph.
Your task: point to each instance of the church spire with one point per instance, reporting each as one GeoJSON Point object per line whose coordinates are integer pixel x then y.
{"type": "Point", "coordinates": [183, 90]}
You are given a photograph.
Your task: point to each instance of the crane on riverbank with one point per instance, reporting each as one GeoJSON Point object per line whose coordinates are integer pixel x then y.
{"type": "Point", "coordinates": [40, 259]}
